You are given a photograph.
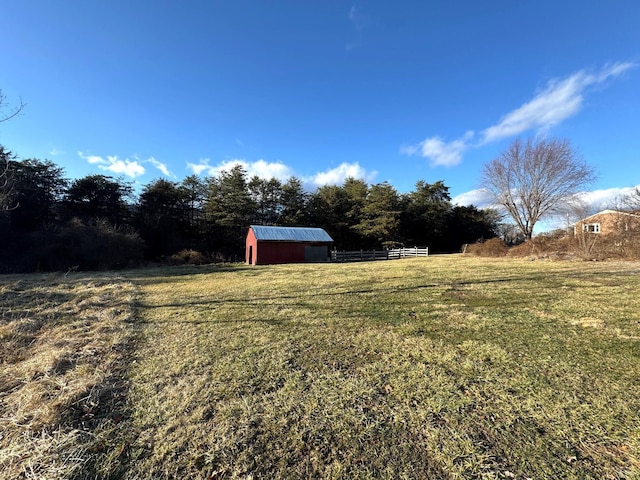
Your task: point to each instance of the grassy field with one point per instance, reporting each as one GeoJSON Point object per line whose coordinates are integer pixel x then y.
{"type": "Point", "coordinates": [443, 367]}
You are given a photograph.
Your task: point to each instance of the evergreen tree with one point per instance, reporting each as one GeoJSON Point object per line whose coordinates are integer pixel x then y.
{"type": "Point", "coordinates": [293, 200]}
{"type": "Point", "coordinates": [329, 207]}
{"type": "Point", "coordinates": [266, 195]}
{"type": "Point", "coordinates": [380, 221]}
{"type": "Point", "coordinates": [424, 221]}
{"type": "Point", "coordinates": [36, 188]}
{"type": "Point", "coordinates": [163, 218]}
{"type": "Point", "coordinates": [229, 210]}
{"type": "Point", "coordinates": [99, 197]}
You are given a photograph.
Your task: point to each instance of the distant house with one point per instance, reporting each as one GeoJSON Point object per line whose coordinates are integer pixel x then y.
{"type": "Point", "coordinates": [268, 245]}
{"type": "Point", "coordinates": [608, 222]}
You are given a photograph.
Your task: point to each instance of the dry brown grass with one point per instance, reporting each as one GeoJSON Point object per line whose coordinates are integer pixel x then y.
{"type": "Point", "coordinates": [558, 245]}
{"type": "Point", "coordinates": [443, 367]}
{"type": "Point", "coordinates": [63, 341]}
{"type": "Point", "coordinates": [493, 247]}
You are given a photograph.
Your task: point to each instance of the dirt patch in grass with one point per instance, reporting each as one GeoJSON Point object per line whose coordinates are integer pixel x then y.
{"type": "Point", "coordinates": [62, 387]}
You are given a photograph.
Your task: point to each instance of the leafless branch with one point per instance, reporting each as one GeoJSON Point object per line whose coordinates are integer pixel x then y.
{"type": "Point", "coordinates": [11, 111]}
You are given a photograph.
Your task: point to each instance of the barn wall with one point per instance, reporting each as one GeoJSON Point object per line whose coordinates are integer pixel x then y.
{"type": "Point", "coordinates": [251, 248]}
{"type": "Point", "coordinates": [280, 252]}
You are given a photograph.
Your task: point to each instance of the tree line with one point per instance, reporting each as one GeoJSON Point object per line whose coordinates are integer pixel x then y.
{"type": "Point", "coordinates": [50, 222]}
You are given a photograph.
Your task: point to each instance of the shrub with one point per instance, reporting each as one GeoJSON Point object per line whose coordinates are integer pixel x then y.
{"type": "Point", "coordinates": [189, 257]}
{"type": "Point", "coordinates": [97, 245]}
{"type": "Point", "coordinates": [494, 247]}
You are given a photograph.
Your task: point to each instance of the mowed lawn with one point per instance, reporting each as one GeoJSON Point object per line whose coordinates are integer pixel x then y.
{"type": "Point", "coordinates": [441, 367]}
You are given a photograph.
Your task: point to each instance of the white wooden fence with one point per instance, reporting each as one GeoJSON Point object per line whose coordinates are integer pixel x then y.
{"type": "Point", "coordinates": [369, 255]}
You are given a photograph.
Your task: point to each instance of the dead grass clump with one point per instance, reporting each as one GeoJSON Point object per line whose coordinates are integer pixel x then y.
{"type": "Point", "coordinates": [494, 247]}
{"type": "Point", "coordinates": [548, 245]}
{"type": "Point", "coordinates": [63, 343]}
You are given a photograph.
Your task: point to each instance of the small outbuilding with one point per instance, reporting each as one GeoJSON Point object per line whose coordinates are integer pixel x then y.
{"type": "Point", "coordinates": [268, 245]}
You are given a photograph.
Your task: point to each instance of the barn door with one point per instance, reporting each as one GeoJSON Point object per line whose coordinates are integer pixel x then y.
{"type": "Point", "coordinates": [316, 253]}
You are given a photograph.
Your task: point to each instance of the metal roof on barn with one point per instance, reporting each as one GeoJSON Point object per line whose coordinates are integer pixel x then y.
{"type": "Point", "coordinates": [290, 234]}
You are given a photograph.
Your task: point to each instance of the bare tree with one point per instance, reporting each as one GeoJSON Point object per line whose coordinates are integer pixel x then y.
{"type": "Point", "coordinates": [534, 179]}
{"type": "Point", "coordinates": [632, 200]}
{"type": "Point", "coordinates": [5, 184]}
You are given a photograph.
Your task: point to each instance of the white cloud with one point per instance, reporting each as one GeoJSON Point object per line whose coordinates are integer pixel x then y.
{"type": "Point", "coordinates": [259, 168]}
{"type": "Point", "coordinates": [607, 198]}
{"type": "Point", "coordinates": [480, 198]}
{"type": "Point", "coordinates": [130, 168]}
{"type": "Point", "coordinates": [337, 175]}
{"type": "Point", "coordinates": [439, 152]}
{"type": "Point", "coordinates": [92, 159]}
{"type": "Point", "coordinates": [114, 164]}
{"type": "Point", "coordinates": [559, 100]}
{"type": "Point", "coordinates": [199, 168]}
{"type": "Point", "coordinates": [267, 170]}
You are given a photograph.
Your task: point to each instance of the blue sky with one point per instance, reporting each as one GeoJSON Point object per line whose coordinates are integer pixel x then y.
{"type": "Point", "coordinates": [384, 91]}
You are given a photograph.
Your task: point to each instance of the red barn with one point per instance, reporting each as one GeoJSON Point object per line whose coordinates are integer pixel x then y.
{"type": "Point", "coordinates": [267, 245]}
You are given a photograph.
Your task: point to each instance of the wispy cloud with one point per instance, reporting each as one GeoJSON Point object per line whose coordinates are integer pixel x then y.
{"type": "Point", "coordinates": [159, 165]}
{"type": "Point", "coordinates": [359, 21]}
{"type": "Point", "coordinates": [56, 151]}
{"type": "Point", "coordinates": [558, 101]}
{"type": "Point", "coordinates": [356, 18]}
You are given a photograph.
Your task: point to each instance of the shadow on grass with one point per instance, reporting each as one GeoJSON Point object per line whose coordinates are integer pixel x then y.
{"type": "Point", "coordinates": [301, 296]}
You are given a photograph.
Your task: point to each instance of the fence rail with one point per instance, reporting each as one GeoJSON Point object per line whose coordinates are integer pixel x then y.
{"type": "Point", "coordinates": [371, 255]}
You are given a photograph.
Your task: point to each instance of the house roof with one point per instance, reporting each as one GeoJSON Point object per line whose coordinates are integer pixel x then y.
{"type": "Point", "coordinates": [290, 234]}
